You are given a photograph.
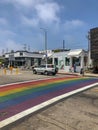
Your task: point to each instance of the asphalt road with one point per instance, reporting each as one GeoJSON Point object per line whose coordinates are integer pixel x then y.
{"type": "Point", "coordinates": [23, 76]}
{"type": "Point", "coordinates": [79, 112]}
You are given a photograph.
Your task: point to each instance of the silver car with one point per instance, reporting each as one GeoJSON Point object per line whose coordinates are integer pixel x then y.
{"type": "Point", "coordinates": [45, 69]}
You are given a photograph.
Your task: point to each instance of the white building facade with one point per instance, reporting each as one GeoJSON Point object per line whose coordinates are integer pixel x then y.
{"type": "Point", "coordinates": [23, 58]}
{"type": "Point", "coordinates": [67, 59]}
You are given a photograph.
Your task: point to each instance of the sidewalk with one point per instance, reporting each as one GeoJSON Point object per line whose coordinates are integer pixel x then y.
{"type": "Point", "coordinates": [77, 74]}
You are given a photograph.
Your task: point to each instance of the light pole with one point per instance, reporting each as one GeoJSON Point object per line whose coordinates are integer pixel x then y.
{"type": "Point", "coordinates": [89, 50]}
{"type": "Point", "coordinates": [45, 32]}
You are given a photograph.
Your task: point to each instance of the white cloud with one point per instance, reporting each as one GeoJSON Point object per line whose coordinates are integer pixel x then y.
{"type": "Point", "coordinates": [23, 3]}
{"type": "Point", "coordinates": [41, 9]}
{"type": "Point", "coordinates": [47, 12]}
{"type": "Point", "coordinates": [9, 45]}
{"type": "Point", "coordinates": [73, 24]}
{"type": "Point", "coordinates": [6, 33]}
{"type": "Point", "coordinates": [29, 21]}
{"type": "Point", "coordinates": [26, 3]}
{"type": "Point", "coordinates": [12, 45]}
{"type": "Point", "coordinates": [3, 21]}
{"type": "Point", "coordinates": [4, 42]}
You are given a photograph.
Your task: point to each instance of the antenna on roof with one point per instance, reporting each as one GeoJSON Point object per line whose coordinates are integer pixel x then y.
{"type": "Point", "coordinates": [63, 45]}
{"type": "Point", "coordinates": [25, 47]}
{"type": "Point", "coordinates": [29, 48]}
{"type": "Point", "coordinates": [6, 50]}
{"type": "Point", "coordinates": [2, 51]}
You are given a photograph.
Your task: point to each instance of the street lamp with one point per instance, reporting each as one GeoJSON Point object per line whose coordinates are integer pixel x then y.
{"type": "Point", "coordinates": [45, 32]}
{"type": "Point", "coordinates": [89, 50]}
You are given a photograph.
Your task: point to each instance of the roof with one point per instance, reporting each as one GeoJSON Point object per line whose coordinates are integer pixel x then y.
{"type": "Point", "coordinates": [76, 52]}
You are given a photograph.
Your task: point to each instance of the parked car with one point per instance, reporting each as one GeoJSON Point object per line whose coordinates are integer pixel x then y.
{"type": "Point", "coordinates": [45, 69]}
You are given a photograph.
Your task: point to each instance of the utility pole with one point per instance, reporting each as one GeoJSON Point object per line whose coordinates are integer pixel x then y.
{"type": "Point", "coordinates": [63, 45]}
{"type": "Point", "coordinates": [29, 48]}
{"type": "Point", "coordinates": [25, 47]}
{"type": "Point", "coordinates": [89, 50]}
{"type": "Point", "coordinates": [45, 33]}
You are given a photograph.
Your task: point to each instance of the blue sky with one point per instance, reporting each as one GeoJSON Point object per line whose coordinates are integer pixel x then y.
{"type": "Point", "coordinates": [69, 20]}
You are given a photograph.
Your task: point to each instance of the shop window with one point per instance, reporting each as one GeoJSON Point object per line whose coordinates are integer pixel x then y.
{"type": "Point", "coordinates": [76, 60]}
{"type": "Point", "coordinates": [21, 53]}
{"type": "Point", "coordinates": [56, 61]}
{"type": "Point", "coordinates": [67, 61]}
{"type": "Point", "coordinates": [85, 60]}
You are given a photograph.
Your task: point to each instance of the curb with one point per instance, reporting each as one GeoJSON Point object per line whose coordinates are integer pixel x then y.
{"type": "Point", "coordinates": [74, 74]}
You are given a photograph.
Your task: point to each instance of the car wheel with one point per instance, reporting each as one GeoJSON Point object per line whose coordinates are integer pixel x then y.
{"type": "Point", "coordinates": [46, 73]}
{"type": "Point", "coordinates": [34, 72]}
{"type": "Point", "coordinates": [53, 73]}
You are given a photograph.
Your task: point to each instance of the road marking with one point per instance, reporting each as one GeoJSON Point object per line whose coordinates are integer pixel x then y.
{"type": "Point", "coordinates": [41, 105]}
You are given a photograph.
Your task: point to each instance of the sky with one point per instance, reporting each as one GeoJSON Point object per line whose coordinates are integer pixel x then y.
{"type": "Point", "coordinates": [63, 20]}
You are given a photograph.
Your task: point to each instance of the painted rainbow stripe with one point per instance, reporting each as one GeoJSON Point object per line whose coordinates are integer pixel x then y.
{"type": "Point", "coordinates": [16, 98]}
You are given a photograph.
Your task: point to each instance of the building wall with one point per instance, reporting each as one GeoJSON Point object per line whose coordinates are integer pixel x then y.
{"type": "Point", "coordinates": [66, 62]}
{"type": "Point", "coordinates": [94, 43]}
{"type": "Point", "coordinates": [23, 58]}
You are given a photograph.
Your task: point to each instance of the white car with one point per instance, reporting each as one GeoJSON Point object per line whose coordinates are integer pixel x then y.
{"type": "Point", "coordinates": [45, 69]}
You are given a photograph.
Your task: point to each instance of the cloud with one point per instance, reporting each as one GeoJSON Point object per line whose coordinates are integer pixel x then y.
{"type": "Point", "coordinates": [12, 45]}
{"type": "Point", "coordinates": [41, 9]}
{"type": "Point", "coordinates": [18, 2]}
{"type": "Point", "coordinates": [3, 21]}
{"type": "Point", "coordinates": [73, 24]}
{"type": "Point", "coordinates": [7, 33]}
{"type": "Point", "coordinates": [9, 45]}
{"type": "Point", "coordinates": [4, 42]}
{"type": "Point", "coordinates": [23, 3]}
{"type": "Point", "coordinates": [29, 21]}
{"type": "Point", "coordinates": [47, 12]}
{"type": "Point", "coordinates": [26, 3]}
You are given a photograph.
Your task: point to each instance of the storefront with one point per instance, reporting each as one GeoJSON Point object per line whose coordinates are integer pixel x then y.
{"type": "Point", "coordinates": [23, 58]}
{"type": "Point", "coordinates": [70, 61]}
{"type": "Point", "coordinates": [78, 59]}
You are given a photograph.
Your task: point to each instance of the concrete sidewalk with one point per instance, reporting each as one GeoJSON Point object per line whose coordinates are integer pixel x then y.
{"type": "Point", "coordinates": [77, 74]}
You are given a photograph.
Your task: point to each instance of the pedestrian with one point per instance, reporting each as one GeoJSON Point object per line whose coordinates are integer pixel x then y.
{"type": "Point", "coordinates": [82, 72]}
{"type": "Point", "coordinates": [74, 67]}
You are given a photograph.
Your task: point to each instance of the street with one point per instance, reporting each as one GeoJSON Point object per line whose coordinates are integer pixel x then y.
{"type": "Point", "coordinates": [64, 111]}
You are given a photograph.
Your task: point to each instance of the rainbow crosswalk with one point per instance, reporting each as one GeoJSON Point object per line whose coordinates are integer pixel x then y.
{"type": "Point", "coordinates": [16, 98]}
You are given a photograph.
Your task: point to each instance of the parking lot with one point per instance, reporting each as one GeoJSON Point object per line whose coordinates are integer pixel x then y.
{"type": "Point", "coordinates": [78, 112]}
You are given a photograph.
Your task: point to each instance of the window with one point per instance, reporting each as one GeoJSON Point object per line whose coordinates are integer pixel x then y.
{"type": "Point", "coordinates": [76, 60]}
{"type": "Point", "coordinates": [56, 61]}
{"type": "Point", "coordinates": [67, 61]}
{"type": "Point", "coordinates": [42, 66]}
{"type": "Point", "coordinates": [50, 66]}
{"type": "Point", "coordinates": [21, 53]}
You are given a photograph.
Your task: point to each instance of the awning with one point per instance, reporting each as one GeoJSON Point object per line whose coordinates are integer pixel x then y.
{"type": "Point", "coordinates": [75, 53]}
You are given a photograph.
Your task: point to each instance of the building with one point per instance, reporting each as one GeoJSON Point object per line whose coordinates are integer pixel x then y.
{"type": "Point", "coordinates": [67, 60]}
{"type": "Point", "coordinates": [64, 60]}
{"type": "Point", "coordinates": [23, 58]}
{"type": "Point", "coordinates": [94, 43]}
{"type": "Point", "coordinates": [94, 46]}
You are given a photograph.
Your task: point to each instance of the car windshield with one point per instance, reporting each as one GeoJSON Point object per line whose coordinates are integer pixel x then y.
{"type": "Point", "coordinates": [42, 66]}
{"type": "Point", "coordinates": [50, 66]}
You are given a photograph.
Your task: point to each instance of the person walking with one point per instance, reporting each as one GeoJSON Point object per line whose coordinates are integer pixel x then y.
{"type": "Point", "coordinates": [74, 67]}
{"type": "Point", "coordinates": [82, 72]}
